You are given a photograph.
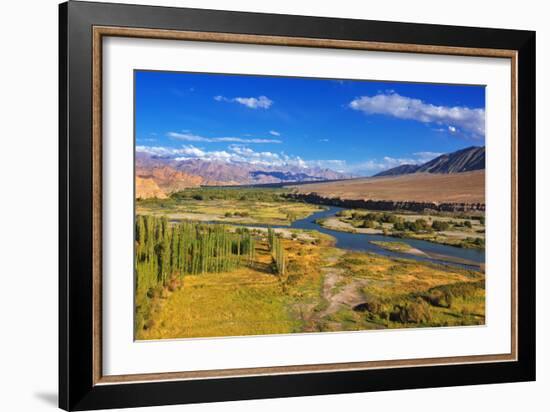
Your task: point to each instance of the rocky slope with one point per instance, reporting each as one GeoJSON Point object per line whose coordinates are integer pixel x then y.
{"type": "Point", "coordinates": [399, 170]}
{"type": "Point", "coordinates": [464, 160]}
{"type": "Point", "coordinates": [147, 188]}
{"type": "Point", "coordinates": [172, 175]}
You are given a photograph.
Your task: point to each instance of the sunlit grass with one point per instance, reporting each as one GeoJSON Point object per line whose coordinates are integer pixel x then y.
{"type": "Point", "coordinates": [233, 211]}
{"type": "Point", "coordinates": [244, 302]}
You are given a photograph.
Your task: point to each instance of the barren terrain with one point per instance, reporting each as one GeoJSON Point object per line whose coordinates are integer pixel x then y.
{"type": "Point", "coordinates": [467, 187]}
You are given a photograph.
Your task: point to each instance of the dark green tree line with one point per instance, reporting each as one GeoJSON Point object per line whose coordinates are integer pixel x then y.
{"type": "Point", "coordinates": [165, 250]}
{"type": "Point", "coordinates": [277, 252]}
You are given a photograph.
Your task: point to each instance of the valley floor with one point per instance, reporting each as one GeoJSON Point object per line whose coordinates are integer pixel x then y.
{"type": "Point", "coordinates": [325, 289]}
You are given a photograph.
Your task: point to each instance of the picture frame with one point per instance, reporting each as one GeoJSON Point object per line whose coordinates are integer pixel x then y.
{"type": "Point", "coordinates": [82, 383]}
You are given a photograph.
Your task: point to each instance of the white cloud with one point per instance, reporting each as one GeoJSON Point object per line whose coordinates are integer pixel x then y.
{"type": "Point", "coordinates": [376, 165]}
{"type": "Point", "coordinates": [426, 156]}
{"type": "Point", "coordinates": [260, 102]}
{"type": "Point", "coordinates": [170, 151]}
{"type": "Point", "coordinates": [333, 164]}
{"type": "Point", "coordinates": [323, 140]}
{"type": "Point", "coordinates": [457, 119]}
{"type": "Point", "coordinates": [274, 133]}
{"type": "Point", "coordinates": [234, 154]}
{"type": "Point", "coordinates": [190, 137]}
{"type": "Point", "coordinates": [237, 153]}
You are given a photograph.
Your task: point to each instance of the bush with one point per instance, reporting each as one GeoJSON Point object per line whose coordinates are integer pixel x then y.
{"type": "Point", "coordinates": [399, 226]}
{"type": "Point", "coordinates": [444, 295]}
{"type": "Point", "coordinates": [440, 297]}
{"type": "Point", "coordinates": [440, 225]}
{"type": "Point", "coordinates": [412, 312]}
{"type": "Point", "coordinates": [388, 218]}
{"type": "Point", "coordinates": [370, 224]}
{"type": "Point", "coordinates": [372, 306]}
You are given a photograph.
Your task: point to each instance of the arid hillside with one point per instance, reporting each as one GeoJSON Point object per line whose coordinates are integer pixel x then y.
{"type": "Point", "coordinates": [467, 187]}
{"type": "Point", "coordinates": [147, 188]}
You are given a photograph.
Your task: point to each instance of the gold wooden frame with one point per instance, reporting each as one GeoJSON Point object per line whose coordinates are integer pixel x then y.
{"type": "Point", "coordinates": [102, 31]}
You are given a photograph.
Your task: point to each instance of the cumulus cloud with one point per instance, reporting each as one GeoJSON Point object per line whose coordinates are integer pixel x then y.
{"type": "Point", "coordinates": [190, 137]}
{"type": "Point", "coordinates": [260, 102]}
{"type": "Point", "coordinates": [375, 165]}
{"type": "Point", "coordinates": [426, 156]}
{"type": "Point", "coordinates": [456, 119]}
{"type": "Point", "coordinates": [239, 153]}
{"type": "Point", "coordinates": [378, 165]}
{"type": "Point", "coordinates": [234, 154]}
{"type": "Point", "coordinates": [170, 152]}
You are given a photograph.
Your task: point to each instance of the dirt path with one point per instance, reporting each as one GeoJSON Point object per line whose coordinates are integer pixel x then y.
{"type": "Point", "coordinates": [336, 296]}
{"type": "Point", "coordinates": [348, 296]}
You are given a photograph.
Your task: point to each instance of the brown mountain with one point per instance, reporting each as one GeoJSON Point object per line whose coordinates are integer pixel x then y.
{"type": "Point", "coordinates": [146, 187]}
{"type": "Point", "coordinates": [464, 160]}
{"type": "Point", "coordinates": [168, 179]}
{"type": "Point", "coordinates": [173, 175]}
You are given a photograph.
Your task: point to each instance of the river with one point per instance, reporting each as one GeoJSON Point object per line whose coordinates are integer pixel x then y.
{"type": "Point", "coordinates": [437, 253]}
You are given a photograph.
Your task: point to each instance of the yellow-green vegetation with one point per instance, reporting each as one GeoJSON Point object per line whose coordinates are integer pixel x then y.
{"type": "Point", "coordinates": [397, 293]}
{"type": "Point", "coordinates": [248, 300]}
{"type": "Point", "coordinates": [458, 229]}
{"type": "Point", "coordinates": [393, 246]}
{"type": "Point", "coordinates": [165, 253]}
{"type": "Point", "coordinates": [200, 279]}
{"type": "Point", "coordinates": [242, 302]}
{"type": "Point", "coordinates": [322, 289]}
{"type": "Point", "coordinates": [229, 205]}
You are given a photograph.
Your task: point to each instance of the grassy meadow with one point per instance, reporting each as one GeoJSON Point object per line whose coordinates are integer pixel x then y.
{"type": "Point", "coordinates": [229, 205]}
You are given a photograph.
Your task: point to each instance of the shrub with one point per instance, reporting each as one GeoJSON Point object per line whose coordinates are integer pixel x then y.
{"type": "Point", "coordinates": [370, 224]}
{"type": "Point", "coordinates": [440, 297]}
{"type": "Point", "coordinates": [412, 312]}
{"type": "Point", "coordinates": [400, 226]}
{"type": "Point", "coordinates": [440, 225]}
{"type": "Point", "coordinates": [149, 324]}
{"type": "Point", "coordinates": [388, 218]}
{"type": "Point", "coordinates": [372, 306]}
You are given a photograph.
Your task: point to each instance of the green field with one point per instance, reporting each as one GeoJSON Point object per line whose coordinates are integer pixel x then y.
{"type": "Point", "coordinates": [453, 229]}
{"type": "Point", "coordinates": [230, 205]}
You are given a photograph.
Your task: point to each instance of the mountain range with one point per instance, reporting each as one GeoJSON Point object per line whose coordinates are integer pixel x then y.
{"type": "Point", "coordinates": [464, 160]}
{"type": "Point", "coordinates": [157, 176]}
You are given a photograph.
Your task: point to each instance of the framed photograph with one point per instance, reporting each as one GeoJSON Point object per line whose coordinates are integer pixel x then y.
{"type": "Point", "coordinates": [256, 205]}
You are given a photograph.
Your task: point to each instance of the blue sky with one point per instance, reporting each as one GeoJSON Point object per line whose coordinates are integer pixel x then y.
{"type": "Point", "coordinates": [358, 127]}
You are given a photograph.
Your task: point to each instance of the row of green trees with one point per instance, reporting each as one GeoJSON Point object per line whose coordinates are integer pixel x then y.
{"type": "Point", "coordinates": [164, 250]}
{"type": "Point", "coordinates": [277, 252]}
